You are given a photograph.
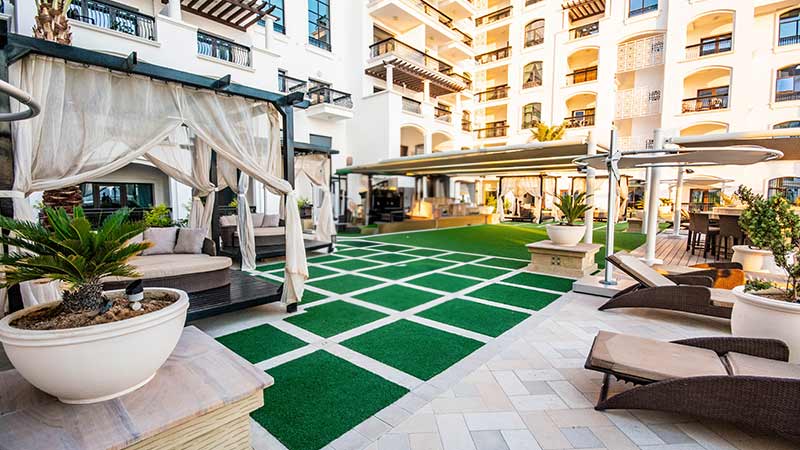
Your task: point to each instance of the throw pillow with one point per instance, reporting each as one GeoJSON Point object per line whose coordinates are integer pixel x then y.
{"type": "Point", "coordinates": [257, 219]}
{"type": "Point", "coordinates": [163, 240]}
{"type": "Point", "coordinates": [271, 220]}
{"type": "Point", "coordinates": [190, 240]}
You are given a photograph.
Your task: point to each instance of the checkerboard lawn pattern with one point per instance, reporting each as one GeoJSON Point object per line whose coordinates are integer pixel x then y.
{"type": "Point", "coordinates": [260, 343]}
{"type": "Point", "coordinates": [473, 316]}
{"type": "Point", "coordinates": [505, 263]}
{"type": "Point", "coordinates": [424, 252]}
{"type": "Point", "coordinates": [541, 281]}
{"type": "Point", "coordinates": [344, 283]}
{"type": "Point", "coordinates": [399, 298]}
{"type": "Point", "coordinates": [330, 319]}
{"type": "Point", "coordinates": [413, 348]}
{"type": "Point", "coordinates": [406, 270]}
{"type": "Point", "coordinates": [319, 397]}
{"type": "Point", "coordinates": [359, 244]}
{"type": "Point", "coordinates": [310, 296]}
{"type": "Point", "coordinates": [356, 252]}
{"type": "Point", "coordinates": [350, 264]}
{"type": "Point", "coordinates": [515, 296]}
{"type": "Point", "coordinates": [460, 257]}
{"type": "Point", "coordinates": [392, 257]}
{"type": "Point", "coordinates": [325, 258]}
{"type": "Point", "coordinates": [444, 282]}
{"type": "Point", "coordinates": [471, 270]}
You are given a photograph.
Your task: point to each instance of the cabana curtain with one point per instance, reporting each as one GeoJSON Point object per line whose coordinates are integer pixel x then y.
{"type": "Point", "coordinates": [94, 122]}
{"type": "Point", "coordinates": [316, 168]}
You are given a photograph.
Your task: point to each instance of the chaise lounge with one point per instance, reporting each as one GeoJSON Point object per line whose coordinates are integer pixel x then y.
{"type": "Point", "coordinates": [745, 381]}
{"type": "Point", "coordinates": [690, 292]}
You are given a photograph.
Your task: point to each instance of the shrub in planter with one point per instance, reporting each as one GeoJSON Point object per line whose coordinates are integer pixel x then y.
{"type": "Point", "coordinates": [572, 207]}
{"type": "Point", "coordinates": [158, 216]}
{"type": "Point", "coordinates": [759, 222]}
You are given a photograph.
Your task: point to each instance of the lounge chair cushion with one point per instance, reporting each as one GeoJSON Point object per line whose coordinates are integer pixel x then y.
{"type": "Point", "coordinates": [162, 266]}
{"type": "Point", "coordinates": [266, 231]}
{"type": "Point", "coordinates": [163, 240]}
{"type": "Point", "coordinates": [741, 364]}
{"type": "Point", "coordinates": [652, 360]}
{"type": "Point", "coordinates": [640, 271]}
{"type": "Point", "coordinates": [271, 220]}
{"type": "Point", "coordinates": [190, 241]}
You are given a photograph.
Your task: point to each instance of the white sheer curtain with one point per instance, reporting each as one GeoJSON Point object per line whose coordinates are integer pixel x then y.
{"type": "Point", "coordinates": [623, 197]}
{"type": "Point", "coordinates": [316, 168]}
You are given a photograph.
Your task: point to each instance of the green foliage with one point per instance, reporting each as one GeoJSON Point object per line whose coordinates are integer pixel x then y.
{"type": "Point", "coordinates": [70, 251]}
{"type": "Point", "coordinates": [234, 203]}
{"type": "Point", "coordinates": [491, 200]}
{"type": "Point", "coordinates": [303, 202]}
{"type": "Point", "coordinates": [159, 216]}
{"type": "Point", "coordinates": [757, 285]}
{"type": "Point", "coordinates": [506, 203]}
{"type": "Point", "coordinates": [572, 206]}
{"type": "Point", "coordinates": [544, 133]}
{"type": "Point", "coordinates": [665, 201]}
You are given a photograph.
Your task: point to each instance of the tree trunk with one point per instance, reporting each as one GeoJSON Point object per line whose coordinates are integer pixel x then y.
{"type": "Point", "coordinates": [52, 23]}
{"type": "Point", "coordinates": [84, 297]}
{"type": "Point", "coordinates": [67, 198]}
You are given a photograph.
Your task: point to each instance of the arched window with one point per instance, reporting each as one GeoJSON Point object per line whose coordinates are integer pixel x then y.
{"type": "Point", "coordinates": [534, 33]}
{"type": "Point", "coordinates": [532, 75]}
{"type": "Point", "coordinates": [787, 124]}
{"type": "Point", "coordinates": [789, 28]}
{"type": "Point", "coordinates": [787, 84]}
{"type": "Point", "coordinates": [531, 114]}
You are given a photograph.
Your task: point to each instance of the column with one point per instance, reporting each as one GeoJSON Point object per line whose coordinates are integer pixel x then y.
{"type": "Point", "coordinates": [428, 142]}
{"type": "Point", "coordinates": [676, 232]}
{"type": "Point", "coordinates": [389, 77]}
{"type": "Point", "coordinates": [269, 31]}
{"type": "Point", "coordinates": [646, 198]}
{"type": "Point", "coordinates": [426, 90]}
{"type": "Point", "coordinates": [588, 219]}
{"type": "Point", "coordinates": [652, 206]}
{"type": "Point", "coordinates": [174, 9]}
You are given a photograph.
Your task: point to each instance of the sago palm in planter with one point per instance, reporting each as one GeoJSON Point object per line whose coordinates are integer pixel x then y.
{"type": "Point", "coordinates": [572, 208]}
{"type": "Point", "coordinates": [91, 345]}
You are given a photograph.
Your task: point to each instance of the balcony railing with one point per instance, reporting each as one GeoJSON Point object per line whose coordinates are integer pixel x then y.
{"type": "Point", "coordinates": [465, 38]}
{"type": "Point", "coordinates": [223, 49]}
{"type": "Point", "coordinates": [113, 17]}
{"type": "Point", "coordinates": [443, 114]}
{"type": "Point", "coordinates": [787, 96]}
{"type": "Point", "coordinates": [432, 11]}
{"type": "Point", "coordinates": [325, 94]}
{"type": "Point", "coordinates": [466, 125]}
{"type": "Point", "coordinates": [492, 17]}
{"type": "Point", "coordinates": [535, 82]}
{"type": "Point", "coordinates": [635, 143]}
{"type": "Point", "coordinates": [412, 106]}
{"type": "Point", "coordinates": [579, 121]}
{"type": "Point", "coordinates": [705, 103]}
{"type": "Point", "coordinates": [495, 93]}
{"type": "Point", "coordinates": [392, 45]}
{"type": "Point", "coordinates": [584, 30]}
{"type": "Point", "coordinates": [531, 2]}
{"type": "Point", "coordinates": [641, 53]}
{"type": "Point", "coordinates": [711, 46]}
{"type": "Point", "coordinates": [494, 55]}
{"type": "Point", "coordinates": [582, 76]}
{"type": "Point", "coordinates": [789, 40]}
{"type": "Point", "coordinates": [288, 84]}
{"type": "Point", "coordinates": [637, 102]}
{"type": "Point", "coordinates": [493, 130]}
{"type": "Point", "coordinates": [463, 77]}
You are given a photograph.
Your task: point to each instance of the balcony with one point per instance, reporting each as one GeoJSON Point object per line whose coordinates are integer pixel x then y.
{"type": "Point", "coordinates": [626, 143]}
{"type": "Point", "coordinates": [640, 53]}
{"type": "Point", "coordinates": [582, 9]}
{"type": "Point", "coordinates": [493, 17]}
{"type": "Point", "coordinates": [494, 55]}
{"type": "Point", "coordinates": [582, 76]}
{"type": "Point", "coordinates": [637, 102]}
{"type": "Point", "coordinates": [493, 130]}
{"type": "Point", "coordinates": [590, 29]}
{"type": "Point", "coordinates": [223, 49]}
{"type": "Point", "coordinates": [495, 93]}
{"type": "Point", "coordinates": [710, 46]}
{"type": "Point", "coordinates": [443, 114]}
{"type": "Point", "coordinates": [586, 120]}
{"type": "Point", "coordinates": [329, 104]}
{"type": "Point", "coordinates": [113, 17]}
{"type": "Point", "coordinates": [412, 106]}
{"type": "Point", "coordinates": [288, 84]}
{"type": "Point", "coordinates": [704, 103]}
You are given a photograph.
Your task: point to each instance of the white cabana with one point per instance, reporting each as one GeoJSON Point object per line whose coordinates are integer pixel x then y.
{"type": "Point", "coordinates": [94, 122]}
{"type": "Point", "coordinates": [517, 188]}
{"type": "Point", "coordinates": [316, 168]}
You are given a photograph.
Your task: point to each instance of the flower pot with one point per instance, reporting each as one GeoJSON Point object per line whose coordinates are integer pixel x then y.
{"type": "Point", "coordinates": [566, 235]}
{"type": "Point", "coordinates": [756, 316]}
{"type": "Point", "coordinates": [486, 210]}
{"type": "Point", "coordinates": [99, 362]}
{"type": "Point", "coordinates": [755, 260]}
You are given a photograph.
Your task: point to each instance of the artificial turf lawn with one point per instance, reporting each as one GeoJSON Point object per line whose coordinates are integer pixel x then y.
{"type": "Point", "coordinates": [460, 257]}
{"type": "Point", "coordinates": [390, 248]}
{"type": "Point", "coordinates": [271, 267]}
{"type": "Point", "coordinates": [515, 296]}
{"type": "Point", "coordinates": [319, 397]}
{"type": "Point", "coordinates": [397, 297]}
{"type": "Point", "coordinates": [505, 263]}
{"type": "Point", "coordinates": [310, 296]}
{"type": "Point", "coordinates": [477, 317]}
{"type": "Point", "coordinates": [477, 271]}
{"type": "Point", "coordinates": [325, 258]}
{"type": "Point", "coordinates": [423, 252]}
{"type": "Point", "coordinates": [413, 348]}
{"type": "Point", "coordinates": [360, 243]}
{"type": "Point", "coordinates": [344, 283]}
{"type": "Point", "coordinates": [444, 282]}
{"type": "Point", "coordinates": [391, 257]}
{"type": "Point", "coordinates": [399, 271]}
{"type": "Point", "coordinates": [541, 281]}
{"type": "Point", "coordinates": [318, 272]}
{"type": "Point", "coordinates": [351, 264]}
{"type": "Point", "coordinates": [260, 343]}
{"type": "Point", "coordinates": [356, 252]}
{"type": "Point", "coordinates": [332, 318]}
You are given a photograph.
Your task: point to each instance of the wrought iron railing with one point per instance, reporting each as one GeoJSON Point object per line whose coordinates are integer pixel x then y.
{"type": "Point", "coordinates": [288, 84]}
{"type": "Point", "coordinates": [788, 96]}
{"type": "Point", "coordinates": [443, 114]}
{"type": "Point", "coordinates": [494, 55]}
{"type": "Point", "coordinates": [223, 49]}
{"type": "Point", "coordinates": [325, 94]}
{"type": "Point", "coordinates": [493, 130]}
{"type": "Point", "coordinates": [465, 38]}
{"type": "Point", "coordinates": [113, 17]}
{"type": "Point", "coordinates": [463, 77]}
{"type": "Point", "coordinates": [712, 46]}
{"type": "Point", "coordinates": [494, 16]}
{"type": "Point", "coordinates": [789, 40]}
{"type": "Point", "coordinates": [579, 121]}
{"type": "Point", "coordinates": [582, 75]}
{"type": "Point", "coordinates": [392, 45]}
{"type": "Point", "coordinates": [705, 103]}
{"type": "Point", "coordinates": [412, 106]}
{"type": "Point", "coordinates": [495, 93]}
{"type": "Point", "coordinates": [584, 30]}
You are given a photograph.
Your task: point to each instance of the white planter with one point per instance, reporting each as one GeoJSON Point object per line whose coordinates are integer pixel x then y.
{"type": "Point", "coordinates": [755, 260]}
{"type": "Point", "coordinates": [755, 316]}
{"type": "Point", "coordinates": [486, 210]}
{"type": "Point", "coordinates": [566, 235]}
{"type": "Point", "coordinates": [98, 362]}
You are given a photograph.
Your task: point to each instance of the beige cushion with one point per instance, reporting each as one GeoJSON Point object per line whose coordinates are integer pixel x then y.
{"type": "Point", "coordinates": [227, 221]}
{"type": "Point", "coordinates": [161, 266]}
{"type": "Point", "coordinates": [640, 271]}
{"type": "Point", "coordinates": [266, 231]}
{"type": "Point", "coordinates": [741, 364]}
{"type": "Point", "coordinates": [190, 240]}
{"type": "Point", "coordinates": [652, 360]}
{"type": "Point", "coordinates": [271, 220]}
{"type": "Point", "coordinates": [163, 240]}
{"type": "Point", "coordinates": [257, 219]}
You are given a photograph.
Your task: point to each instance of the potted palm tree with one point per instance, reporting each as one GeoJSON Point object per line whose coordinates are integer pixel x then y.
{"type": "Point", "coordinates": [90, 345]}
{"type": "Point", "coordinates": [545, 133]}
{"type": "Point", "coordinates": [572, 207]}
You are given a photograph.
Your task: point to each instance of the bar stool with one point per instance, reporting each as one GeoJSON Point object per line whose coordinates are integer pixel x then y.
{"type": "Point", "coordinates": [700, 223]}
{"type": "Point", "coordinates": [729, 230]}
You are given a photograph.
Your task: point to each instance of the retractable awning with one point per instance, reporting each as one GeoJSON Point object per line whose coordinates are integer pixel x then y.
{"type": "Point", "coordinates": [509, 160]}
{"type": "Point", "coordinates": [785, 140]}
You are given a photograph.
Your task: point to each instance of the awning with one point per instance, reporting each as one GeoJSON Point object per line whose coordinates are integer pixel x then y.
{"type": "Point", "coordinates": [527, 158]}
{"type": "Point", "coordinates": [239, 14]}
{"type": "Point", "coordinates": [785, 140]}
{"type": "Point", "coordinates": [581, 9]}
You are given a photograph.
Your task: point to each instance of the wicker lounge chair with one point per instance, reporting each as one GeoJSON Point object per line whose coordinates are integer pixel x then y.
{"type": "Point", "coordinates": [745, 381]}
{"type": "Point", "coordinates": [690, 292]}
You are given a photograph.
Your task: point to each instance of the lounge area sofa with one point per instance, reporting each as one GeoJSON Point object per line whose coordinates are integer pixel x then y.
{"type": "Point", "coordinates": [268, 229]}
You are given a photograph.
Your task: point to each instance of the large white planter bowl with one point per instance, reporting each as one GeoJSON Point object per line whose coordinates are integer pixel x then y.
{"type": "Point", "coordinates": [755, 260]}
{"type": "Point", "coordinates": [755, 316]}
{"type": "Point", "coordinates": [98, 362]}
{"type": "Point", "coordinates": [565, 235]}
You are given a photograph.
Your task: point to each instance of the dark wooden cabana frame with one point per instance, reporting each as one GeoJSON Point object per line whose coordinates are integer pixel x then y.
{"type": "Point", "coordinates": [249, 290]}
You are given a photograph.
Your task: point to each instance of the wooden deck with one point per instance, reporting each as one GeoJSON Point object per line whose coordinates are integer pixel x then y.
{"type": "Point", "coordinates": [274, 251]}
{"type": "Point", "coordinates": [245, 291]}
{"type": "Point", "coordinates": [673, 251]}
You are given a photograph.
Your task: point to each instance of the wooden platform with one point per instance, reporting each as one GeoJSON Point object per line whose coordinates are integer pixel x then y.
{"type": "Point", "coordinates": [673, 251]}
{"type": "Point", "coordinates": [273, 251]}
{"type": "Point", "coordinates": [245, 291]}
{"type": "Point", "coordinates": [432, 224]}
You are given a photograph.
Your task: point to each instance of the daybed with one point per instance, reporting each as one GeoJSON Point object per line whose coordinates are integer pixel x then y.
{"type": "Point", "coordinates": [267, 228]}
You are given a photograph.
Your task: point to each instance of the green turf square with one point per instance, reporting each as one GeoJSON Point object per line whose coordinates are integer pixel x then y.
{"type": "Point", "coordinates": [444, 282]}
{"type": "Point", "coordinates": [399, 271]}
{"type": "Point", "coordinates": [506, 263]}
{"type": "Point", "coordinates": [260, 343]}
{"type": "Point", "coordinates": [325, 258]}
{"type": "Point", "coordinates": [541, 281]}
{"type": "Point", "coordinates": [351, 264]}
{"type": "Point", "coordinates": [391, 257]}
{"type": "Point", "coordinates": [319, 397]}
{"type": "Point", "coordinates": [423, 252]}
{"type": "Point", "coordinates": [473, 316]}
{"type": "Point", "coordinates": [510, 295]}
{"type": "Point", "coordinates": [397, 297]}
{"type": "Point", "coordinates": [390, 248]}
{"type": "Point", "coordinates": [330, 319]}
{"type": "Point", "coordinates": [276, 273]}
{"type": "Point", "coordinates": [310, 296]}
{"type": "Point", "coordinates": [344, 284]}
{"type": "Point", "coordinates": [318, 272]}
{"type": "Point", "coordinates": [460, 257]}
{"type": "Point", "coordinates": [471, 270]}
{"type": "Point", "coordinates": [413, 348]}
{"type": "Point", "coordinates": [271, 267]}
{"type": "Point", "coordinates": [356, 252]}
{"type": "Point", "coordinates": [361, 243]}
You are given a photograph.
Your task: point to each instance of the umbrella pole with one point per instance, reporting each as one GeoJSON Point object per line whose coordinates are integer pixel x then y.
{"type": "Point", "coordinates": [591, 149]}
{"type": "Point", "coordinates": [676, 225]}
{"type": "Point", "coordinates": [652, 207]}
{"type": "Point", "coordinates": [608, 278]}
